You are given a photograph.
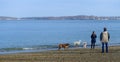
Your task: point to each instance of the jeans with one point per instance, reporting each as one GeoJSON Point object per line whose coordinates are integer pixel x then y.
{"type": "Point", "coordinates": [103, 47]}
{"type": "Point", "coordinates": [92, 45]}
{"type": "Point", "coordinates": [93, 41]}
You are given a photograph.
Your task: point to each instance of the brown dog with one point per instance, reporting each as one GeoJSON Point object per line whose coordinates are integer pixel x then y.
{"type": "Point", "coordinates": [63, 46]}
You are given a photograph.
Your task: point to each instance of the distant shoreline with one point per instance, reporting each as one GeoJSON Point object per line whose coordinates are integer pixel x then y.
{"type": "Point", "coordinates": [77, 17]}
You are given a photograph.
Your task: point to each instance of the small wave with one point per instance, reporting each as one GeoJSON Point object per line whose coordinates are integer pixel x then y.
{"type": "Point", "coordinates": [38, 47]}
{"type": "Point", "coordinates": [28, 48]}
{"type": "Point", "coordinates": [9, 49]}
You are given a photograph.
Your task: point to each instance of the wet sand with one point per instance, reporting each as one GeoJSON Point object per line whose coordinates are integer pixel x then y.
{"type": "Point", "coordinates": [69, 55]}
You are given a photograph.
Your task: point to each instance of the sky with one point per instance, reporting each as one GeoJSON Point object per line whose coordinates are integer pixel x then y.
{"type": "Point", "coordinates": [41, 8]}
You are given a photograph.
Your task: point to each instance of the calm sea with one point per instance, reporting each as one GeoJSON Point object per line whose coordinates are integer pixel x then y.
{"type": "Point", "coordinates": [32, 35]}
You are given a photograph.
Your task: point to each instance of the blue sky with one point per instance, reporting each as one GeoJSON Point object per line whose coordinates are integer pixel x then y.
{"type": "Point", "coordinates": [39, 8]}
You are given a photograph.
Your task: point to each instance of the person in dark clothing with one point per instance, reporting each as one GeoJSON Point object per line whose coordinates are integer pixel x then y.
{"type": "Point", "coordinates": [93, 39]}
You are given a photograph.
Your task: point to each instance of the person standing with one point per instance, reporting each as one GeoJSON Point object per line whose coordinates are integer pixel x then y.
{"type": "Point", "coordinates": [104, 38]}
{"type": "Point", "coordinates": [93, 39]}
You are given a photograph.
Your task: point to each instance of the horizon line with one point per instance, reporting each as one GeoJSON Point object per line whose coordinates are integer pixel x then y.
{"type": "Point", "coordinates": [60, 16]}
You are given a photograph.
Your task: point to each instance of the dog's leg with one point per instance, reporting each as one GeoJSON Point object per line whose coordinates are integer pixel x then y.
{"type": "Point", "coordinates": [66, 47]}
{"type": "Point", "coordinates": [59, 48]}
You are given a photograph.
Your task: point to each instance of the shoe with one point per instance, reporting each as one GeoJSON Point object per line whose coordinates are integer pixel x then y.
{"type": "Point", "coordinates": [102, 52]}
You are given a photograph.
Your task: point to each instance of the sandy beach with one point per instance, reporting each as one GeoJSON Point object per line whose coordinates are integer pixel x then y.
{"type": "Point", "coordinates": [69, 55]}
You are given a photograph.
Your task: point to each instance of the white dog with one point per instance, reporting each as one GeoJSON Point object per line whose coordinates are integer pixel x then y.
{"type": "Point", "coordinates": [77, 43]}
{"type": "Point", "coordinates": [84, 44]}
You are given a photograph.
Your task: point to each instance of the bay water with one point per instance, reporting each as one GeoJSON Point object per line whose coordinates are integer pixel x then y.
{"type": "Point", "coordinates": [32, 35]}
